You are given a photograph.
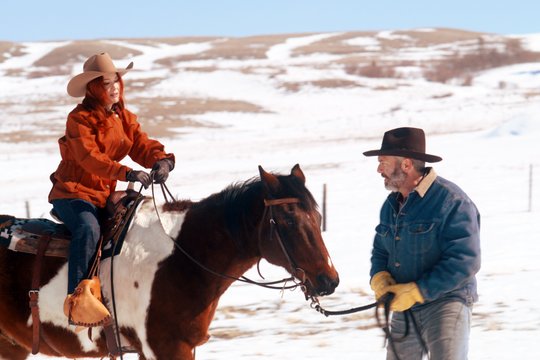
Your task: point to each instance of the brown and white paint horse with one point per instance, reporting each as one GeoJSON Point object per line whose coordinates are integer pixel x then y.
{"type": "Point", "coordinates": [165, 301]}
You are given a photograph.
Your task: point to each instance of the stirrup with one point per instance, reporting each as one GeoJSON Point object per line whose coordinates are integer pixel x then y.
{"type": "Point", "coordinates": [84, 306]}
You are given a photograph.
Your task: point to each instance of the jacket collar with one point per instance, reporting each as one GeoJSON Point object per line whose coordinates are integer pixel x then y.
{"type": "Point", "coordinates": [426, 182]}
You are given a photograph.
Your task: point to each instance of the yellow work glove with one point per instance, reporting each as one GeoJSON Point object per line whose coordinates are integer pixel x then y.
{"type": "Point", "coordinates": [406, 295]}
{"type": "Point", "coordinates": [380, 283]}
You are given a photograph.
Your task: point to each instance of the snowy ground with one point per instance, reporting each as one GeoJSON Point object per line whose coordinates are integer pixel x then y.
{"type": "Point", "coordinates": [488, 144]}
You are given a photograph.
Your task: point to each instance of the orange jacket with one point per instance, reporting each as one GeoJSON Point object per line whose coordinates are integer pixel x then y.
{"type": "Point", "coordinates": [91, 150]}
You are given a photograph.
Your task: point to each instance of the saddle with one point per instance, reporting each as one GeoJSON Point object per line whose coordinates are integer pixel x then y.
{"type": "Point", "coordinates": [44, 237]}
{"type": "Point", "coordinates": [25, 235]}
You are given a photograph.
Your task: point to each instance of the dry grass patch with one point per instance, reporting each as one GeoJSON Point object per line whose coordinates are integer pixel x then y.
{"type": "Point", "coordinates": [10, 49]}
{"type": "Point", "coordinates": [159, 115]}
{"type": "Point", "coordinates": [202, 69]}
{"type": "Point", "coordinates": [27, 136]}
{"type": "Point", "coordinates": [438, 36]}
{"type": "Point", "coordinates": [78, 51]}
{"type": "Point", "coordinates": [384, 88]}
{"type": "Point", "coordinates": [186, 106]}
{"type": "Point", "coordinates": [135, 85]}
{"type": "Point", "coordinates": [227, 333]}
{"type": "Point", "coordinates": [324, 84]}
{"type": "Point", "coordinates": [251, 47]}
{"type": "Point", "coordinates": [41, 116]}
{"type": "Point", "coordinates": [373, 70]}
{"type": "Point", "coordinates": [462, 67]}
{"type": "Point", "coordinates": [442, 96]}
{"type": "Point", "coordinates": [335, 45]}
{"type": "Point", "coordinates": [333, 83]}
{"type": "Point", "coordinates": [531, 94]}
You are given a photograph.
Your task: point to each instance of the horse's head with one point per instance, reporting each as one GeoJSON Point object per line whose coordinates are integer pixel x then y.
{"type": "Point", "coordinates": [290, 233]}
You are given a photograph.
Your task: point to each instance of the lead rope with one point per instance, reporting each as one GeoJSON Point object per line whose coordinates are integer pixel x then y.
{"type": "Point", "coordinates": [384, 301]}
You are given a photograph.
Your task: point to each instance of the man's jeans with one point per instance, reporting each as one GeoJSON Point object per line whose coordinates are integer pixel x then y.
{"type": "Point", "coordinates": [81, 218]}
{"type": "Point", "coordinates": [444, 326]}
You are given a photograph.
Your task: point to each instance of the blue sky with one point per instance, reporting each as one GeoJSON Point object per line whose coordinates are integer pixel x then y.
{"type": "Point", "coordinates": [40, 20]}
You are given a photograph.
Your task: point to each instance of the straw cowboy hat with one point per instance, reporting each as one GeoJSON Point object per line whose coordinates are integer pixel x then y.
{"type": "Point", "coordinates": [406, 142]}
{"type": "Point", "coordinates": [94, 67]}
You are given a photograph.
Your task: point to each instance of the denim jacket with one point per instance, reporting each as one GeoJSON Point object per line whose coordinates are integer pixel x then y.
{"type": "Point", "coordinates": [433, 240]}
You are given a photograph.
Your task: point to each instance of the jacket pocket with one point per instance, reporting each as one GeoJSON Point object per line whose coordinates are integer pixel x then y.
{"type": "Point", "coordinates": [382, 230]}
{"type": "Point", "coordinates": [68, 176]}
{"type": "Point", "coordinates": [421, 238]}
{"type": "Point", "coordinates": [383, 236]}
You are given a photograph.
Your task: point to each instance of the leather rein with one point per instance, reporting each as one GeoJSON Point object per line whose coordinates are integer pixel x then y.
{"type": "Point", "coordinates": [274, 231]}
{"type": "Point", "coordinates": [269, 204]}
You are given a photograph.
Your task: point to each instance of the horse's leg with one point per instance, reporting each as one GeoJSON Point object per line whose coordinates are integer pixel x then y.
{"type": "Point", "coordinates": [185, 352]}
{"type": "Point", "coordinates": [181, 351]}
{"type": "Point", "coordinates": [11, 351]}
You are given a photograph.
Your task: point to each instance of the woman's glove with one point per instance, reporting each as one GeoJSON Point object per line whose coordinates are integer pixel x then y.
{"type": "Point", "coordinates": [406, 295]}
{"type": "Point", "coordinates": [140, 176]}
{"type": "Point", "coordinates": [161, 169]}
{"type": "Point", "coordinates": [380, 283]}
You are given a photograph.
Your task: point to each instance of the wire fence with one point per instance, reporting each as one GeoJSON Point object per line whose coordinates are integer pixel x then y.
{"type": "Point", "coordinates": [490, 189]}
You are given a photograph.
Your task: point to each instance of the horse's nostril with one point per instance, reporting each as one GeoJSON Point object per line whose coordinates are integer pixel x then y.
{"type": "Point", "coordinates": [326, 285]}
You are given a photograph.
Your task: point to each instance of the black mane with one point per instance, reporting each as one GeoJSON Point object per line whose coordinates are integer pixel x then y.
{"type": "Point", "coordinates": [242, 203]}
{"type": "Point", "coordinates": [241, 195]}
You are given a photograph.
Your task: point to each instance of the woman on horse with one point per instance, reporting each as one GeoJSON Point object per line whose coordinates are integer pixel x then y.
{"type": "Point", "coordinates": [99, 133]}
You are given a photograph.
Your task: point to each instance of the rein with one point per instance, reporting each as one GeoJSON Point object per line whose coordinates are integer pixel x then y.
{"type": "Point", "coordinates": [268, 285]}
{"type": "Point", "coordinates": [383, 302]}
{"type": "Point", "coordinates": [113, 297]}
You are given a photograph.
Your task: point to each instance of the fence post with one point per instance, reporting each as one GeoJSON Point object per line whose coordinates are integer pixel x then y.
{"type": "Point", "coordinates": [324, 209]}
{"type": "Point", "coordinates": [530, 186]}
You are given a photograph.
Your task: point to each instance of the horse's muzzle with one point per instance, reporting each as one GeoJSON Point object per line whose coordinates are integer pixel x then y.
{"type": "Point", "coordinates": [326, 285]}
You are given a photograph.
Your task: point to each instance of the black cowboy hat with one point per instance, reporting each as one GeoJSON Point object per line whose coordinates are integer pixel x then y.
{"type": "Point", "coordinates": [406, 142]}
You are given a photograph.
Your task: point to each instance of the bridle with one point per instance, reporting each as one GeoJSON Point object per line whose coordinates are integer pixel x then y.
{"type": "Point", "coordinates": [274, 229]}
{"type": "Point", "coordinates": [268, 204]}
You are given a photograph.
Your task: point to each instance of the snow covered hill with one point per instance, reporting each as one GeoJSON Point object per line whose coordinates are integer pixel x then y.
{"type": "Point", "coordinates": [226, 105]}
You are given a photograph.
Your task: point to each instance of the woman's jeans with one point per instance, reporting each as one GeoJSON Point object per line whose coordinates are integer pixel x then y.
{"type": "Point", "coordinates": [444, 326]}
{"type": "Point", "coordinates": [81, 219]}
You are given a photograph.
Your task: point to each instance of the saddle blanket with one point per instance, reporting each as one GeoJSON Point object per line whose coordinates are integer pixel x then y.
{"type": "Point", "coordinates": [23, 235]}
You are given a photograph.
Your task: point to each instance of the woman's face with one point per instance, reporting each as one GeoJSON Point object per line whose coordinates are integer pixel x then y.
{"type": "Point", "coordinates": [112, 88]}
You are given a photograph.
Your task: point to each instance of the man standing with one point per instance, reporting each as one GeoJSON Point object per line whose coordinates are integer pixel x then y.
{"type": "Point", "coordinates": [426, 250]}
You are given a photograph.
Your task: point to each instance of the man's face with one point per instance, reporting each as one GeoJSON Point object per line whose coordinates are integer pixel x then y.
{"type": "Point", "coordinates": [390, 169]}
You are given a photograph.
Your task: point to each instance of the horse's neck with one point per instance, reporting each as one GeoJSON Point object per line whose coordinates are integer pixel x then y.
{"type": "Point", "coordinates": [227, 252]}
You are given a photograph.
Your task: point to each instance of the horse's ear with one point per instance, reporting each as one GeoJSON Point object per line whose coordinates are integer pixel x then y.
{"type": "Point", "coordinates": [298, 173]}
{"type": "Point", "coordinates": [271, 182]}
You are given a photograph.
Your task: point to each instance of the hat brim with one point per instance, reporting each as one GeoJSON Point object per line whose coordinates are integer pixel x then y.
{"type": "Point", "coordinates": [404, 153]}
{"type": "Point", "coordinates": [77, 85]}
